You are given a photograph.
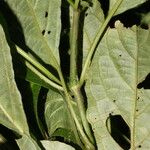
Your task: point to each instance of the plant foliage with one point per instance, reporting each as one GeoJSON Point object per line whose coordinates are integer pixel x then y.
{"type": "Point", "coordinates": [74, 74]}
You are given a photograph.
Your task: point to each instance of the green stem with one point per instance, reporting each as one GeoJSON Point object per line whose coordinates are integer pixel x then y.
{"type": "Point", "coordinates": [73, 48]}
{"type": "Point", "coordinates": [85, 140]}
{"type": "Point", "coordinates": [96, 40]}
{"type": "Point", "coordinates": [76, 4]}
{"type": "Point", "coordinates": [44, 78]}
{"type": "Point", "coordinates": [80, 102]}
{"type": "Point", "coordinates": [37, 65]}
{"type": "Point", "coordinates": [71, 3]}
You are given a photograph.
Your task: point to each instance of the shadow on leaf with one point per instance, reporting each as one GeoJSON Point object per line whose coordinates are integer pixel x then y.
{"type": "Point", "coordinates": [119, 130]}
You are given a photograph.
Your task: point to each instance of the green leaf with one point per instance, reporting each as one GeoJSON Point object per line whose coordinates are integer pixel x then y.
{"type": "Point", "coordinates": [35, 92]}
{"type": "Point", "coordinates": [120, 63]}
{"type": "Point", "coordinates": [26, 142]}
{"type": "Point", "coordinates": [94, 16]}
{"type": "Point", "coordinates": [37, 18]}
{"type": "Point", "coordinates": [55, 145]}
{"type": "Point", "coordinates": [126, 5]}
{"type": "Point", "coordinates": [58, 118]}
{"type": "Point", "coordinates": [11, 109]}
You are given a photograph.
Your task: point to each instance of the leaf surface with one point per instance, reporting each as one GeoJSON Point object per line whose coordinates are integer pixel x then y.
{"type": "Point", "coordinates": [36, 92]}
{"type": "Point", "coordinates": [26, 142]}
{"type": "Point", "coordinates": [120, 64]}
{"type": "Point", "coordinates": [11, 109]}
{"type": "Point", "coordinates": [126, 5]}
{"type": "Point", "coordinates": [41, 26]}
{"type": "Point", "coordinates": [55, 145]}
{"type": "Point", "coordinates": [58, 117]}
{"type": "Point", "coordinates": [94, 16]}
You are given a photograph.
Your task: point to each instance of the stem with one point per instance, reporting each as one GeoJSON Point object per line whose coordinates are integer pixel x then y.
{"type": "Point", "coordinates": [76, 4]}
{"type": "Point", "coordinates": [71, 3]}
{"type": "Point", "coordinates": [84, 138]}
{"type": "Point", "coordinates": [73, 48]}
{"type": "Point", "coordinates": [96, 40]}
{"type": "Point", "coordinates": [80, 102]}
{"type": "Point", "coordinates": [44, 78]}
{"type": "Point", "coordinates": [37, 65]}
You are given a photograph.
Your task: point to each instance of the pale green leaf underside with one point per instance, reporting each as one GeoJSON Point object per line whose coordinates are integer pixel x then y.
{"type": "Point", "coordinates": [126, 5]}
{"type": "Point", "coordinates": [36, 17]}
{"type": "Point", "coordinates": [11, 109]}
{"type": "Point", "coordinates": [93, 20]}
{"type": "Point", "coordinates": [27, 143]}
{"type": "Point", "coordinates": [58, 116]}
{"type": "Point", "coordinates": [55, 145]}
{"type": "Point", "coordinates": [95, 17]}
{"type": "Point", "coordinates": [120, 63]}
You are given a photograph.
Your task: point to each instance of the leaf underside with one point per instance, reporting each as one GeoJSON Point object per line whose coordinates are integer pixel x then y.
{"type": "Point", "coordinates": [126, 5]}
{"type": "Point", "coordinates": [41, 27]}
{"type": "Point", "coordinates": [120, 63]}
{"type": "Point", "coordinates": [11, 108]}
{"type": "Point", "coordinates": [58, 117]}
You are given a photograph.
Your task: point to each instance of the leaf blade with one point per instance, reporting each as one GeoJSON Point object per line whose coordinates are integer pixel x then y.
{"type": "Point", "coordinates": [119, 64]}
{"type": "Point", "coordinates": [10, 99]}
{"type": "Point", "coordinates": [58, 117]}
{"type": "Point", "coordinates": [55, 145]}
{"type": "Point", "coordinates": [32, 23]}
{"type": "Point", "coordinates": [126, 5]}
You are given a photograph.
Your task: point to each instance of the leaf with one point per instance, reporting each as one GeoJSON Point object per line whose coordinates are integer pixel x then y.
{"type": "Point", "coordinates": [58, 118]}
{"type": "Point", "coordinates": [37, 18]}
{"type": "Point", "coordinates": [35, 92]}
{"type": "Point", "coordinates": [126, 5]}
{"type": "Point", "coordinates": [120, 63]}
{"type": "Point", "coordinates": [11, 109]}
{"type": "Point", "coordinates": [26, 142]}
{"type": "Point", "coordinates": [55, 145]}
{"type": "Point", "coordinates": [94, 16]}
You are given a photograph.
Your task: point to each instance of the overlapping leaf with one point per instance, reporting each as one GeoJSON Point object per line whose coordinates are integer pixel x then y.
{"type": "Point", "coordinates": [26, 142]}
{"type": "Point", "coordinates": [11, 108]}
{"type": "Point", "coordinates": [94, 17]}
{"type": "Point", "coordinates": [126, 5]}
{"type": "Point", "coordinates": [41, 26]}
{"type": "Point", "coordinates": [55, 145]}
{"type": "Point", "coordinates": [120, 63]}
{"type": "Point", "coordinates": [58, 117]}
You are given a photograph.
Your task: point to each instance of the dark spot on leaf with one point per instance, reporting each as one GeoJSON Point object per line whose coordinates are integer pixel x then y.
{"type": "Point", "coordinates": [110, 114]}
{"type": "Point", "coordinates": [145, 84]}
{"type": "Point", "coordinates": [72, 96]}
{"type": "Point", "coordinates": [95, 118]}
{"type": "Point", "coordinates": [46, 14]}
{"type": "Point", "coordinates": [139, 146]}
{"type": "Point", "coordinates": [138, 98]}
{"type": "Point", "coordinates": [49, 32]}
{"type": "Point", "coordinates": [120, 55]}
{"type": "Point", "coordinates": [119, 128]}
{"type": "Point", "coordinates": [43, 32]}
{"type": "Point", "coordinates": [114, 100]}
{"type": "Point", "coordinates": [86, 14]}
{"type": "Point", "coordinates": [137, 110]}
